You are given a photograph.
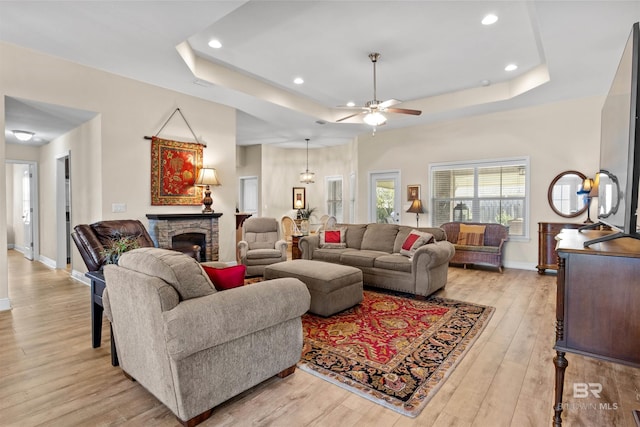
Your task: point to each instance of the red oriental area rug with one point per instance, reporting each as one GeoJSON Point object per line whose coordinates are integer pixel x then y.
{"type": "Point", "coordinates": [396, 351]}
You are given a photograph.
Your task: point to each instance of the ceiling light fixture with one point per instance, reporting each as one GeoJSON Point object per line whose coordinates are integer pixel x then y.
{"type": "Point", "coordinates": [511, 67]}
{"type": "Point", "coordinates": [23, 135]}
{"type": "Point", "coordinates": [215, 44]}
{"type": "Point", "coordinates": [375, 119]}
{"type": "Point", "coordinates": [489, 19]}
{"type": "Point", "coordinates": [307, 177]}
{"type": "Point", "coordinates": [298, 80]}
{"type": "Point", "coordinates": [351, 104]}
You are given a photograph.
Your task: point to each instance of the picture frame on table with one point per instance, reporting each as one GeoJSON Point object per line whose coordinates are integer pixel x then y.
{"type": "Point", "coordinates": [413, 192]}
{"type": "Point", "coordinates": [299, 198]}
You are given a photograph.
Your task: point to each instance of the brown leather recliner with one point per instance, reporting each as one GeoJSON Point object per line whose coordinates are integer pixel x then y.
{"type": "Point", "coordinates": [91, 240]}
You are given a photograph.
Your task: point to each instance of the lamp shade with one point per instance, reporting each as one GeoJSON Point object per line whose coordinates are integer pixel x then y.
{"type": "Point", "coordinates": [207, 176]}
{"type": "Point", "coordinates": [596, 184]}
{"type": "Point", "coordinates": [416, 207]}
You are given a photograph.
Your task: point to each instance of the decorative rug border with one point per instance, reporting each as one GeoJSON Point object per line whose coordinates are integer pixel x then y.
{"type": "Point", "coordinates": [442, 373]}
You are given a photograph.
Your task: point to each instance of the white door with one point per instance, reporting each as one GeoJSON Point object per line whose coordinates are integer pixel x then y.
{"type": "Point", "coordinates": [249, 194]}
{"type": "Point", "coordinates": [27, 211]}
{"type": "Point", "coordinates": [384, 197]}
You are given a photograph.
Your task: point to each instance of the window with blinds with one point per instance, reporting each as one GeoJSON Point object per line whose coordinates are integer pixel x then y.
{"type": "Point", "coordinates": [491, 192]}
{"type": "Point", "coordinates": [334, 197]}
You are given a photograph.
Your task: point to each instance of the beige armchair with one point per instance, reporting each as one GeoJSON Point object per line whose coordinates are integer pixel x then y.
{"type": "Point", "coordinates": [191, 346]}
{"type": "Point", "coordinates": [261, 245]}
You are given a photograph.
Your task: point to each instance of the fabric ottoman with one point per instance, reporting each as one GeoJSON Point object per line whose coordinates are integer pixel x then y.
{"type": "Point", "coordinates": [333, 287]}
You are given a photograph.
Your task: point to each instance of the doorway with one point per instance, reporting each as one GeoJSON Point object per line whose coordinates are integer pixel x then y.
{"type": "Point", "coordinates": [63, 211]}
{"type": "Point", "coordinates": [248, 195]}
{"type": "Point", "coordinates": [384, 197]}
{"type": "Point", "coordinates": [22, 207]}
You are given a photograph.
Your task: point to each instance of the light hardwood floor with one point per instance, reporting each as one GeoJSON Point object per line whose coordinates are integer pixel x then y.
{"type": "Point", "coordinates": [50, 375]}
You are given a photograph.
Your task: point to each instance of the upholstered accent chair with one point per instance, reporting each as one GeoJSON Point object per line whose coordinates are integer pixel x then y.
{"type": "Point", "coordinates": [92, 239]}
{"type": "Point", "coordinates": [194, 347]}
{"type": "Point", "coordinates": [261, 245]}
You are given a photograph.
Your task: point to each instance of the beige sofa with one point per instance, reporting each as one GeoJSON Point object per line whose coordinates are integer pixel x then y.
{"type": "Point", "coordinates": [191, 346]}
{"type": "Point", "coordinates": [375, 249]}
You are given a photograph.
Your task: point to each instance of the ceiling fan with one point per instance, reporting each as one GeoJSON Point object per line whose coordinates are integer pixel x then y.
{"type": "Point", "coordinates": [373, 109]}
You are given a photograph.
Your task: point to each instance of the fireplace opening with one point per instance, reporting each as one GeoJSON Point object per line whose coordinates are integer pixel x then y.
{"type": "Point", "coordinates": [187, 240]}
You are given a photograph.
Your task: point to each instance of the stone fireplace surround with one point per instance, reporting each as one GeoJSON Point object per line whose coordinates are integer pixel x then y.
{"type": "Point", "coordinates": [164, 227]}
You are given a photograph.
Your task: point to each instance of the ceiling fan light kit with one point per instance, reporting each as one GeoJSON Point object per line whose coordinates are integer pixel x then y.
{"type": "Point", "coordinates": [373, 109]}
{"type": "Point", "coordinates": [375, 119]}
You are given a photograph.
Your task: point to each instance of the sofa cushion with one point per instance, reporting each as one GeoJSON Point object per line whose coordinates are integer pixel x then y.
{"type": "Point", "coordinates": [330, 255]}
{"type": "Point", "coordinates": [361, 258]}
{"type": "Point", "coordinates": [395, 262]}
{"type": "Point", "coordinates": [177, 269]}
{"type": "Point", "coordinates": [488, 249]}
{"type": "Point", "coordinates": [379, 237]}
{"type": "Point", "coordinates": [355, 233]}
{"type": "Point", "coordinates": [414, 240]}
{"type": "Point", "coordinates": [264, 253]}
{"type": "Point", "coordinates": [226, 278]}
{"type": "Point", "coordinates": [333, 239]}
{"type": "Point", "coordinates": [264, 240]}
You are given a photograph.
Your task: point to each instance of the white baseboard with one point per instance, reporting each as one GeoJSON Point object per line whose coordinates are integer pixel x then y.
{"type": "Point", "coordinates": [47, 261]}
{"type": "Point", "coordinates": [80, 277]}
{"type": "Point", "coordinates": [5, 304]}
{"type": "Point", "coordinates": [10, 246]}
{"type": "Point", "coordinates": [521, 266]}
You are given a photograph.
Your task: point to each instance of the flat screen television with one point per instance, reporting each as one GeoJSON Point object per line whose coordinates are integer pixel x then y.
{"type": "Point", "coordinates": [619, 176]}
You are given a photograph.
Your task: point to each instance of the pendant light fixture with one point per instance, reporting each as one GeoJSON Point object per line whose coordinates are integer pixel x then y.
{"type": "Point", "coordinates": [307, 177]}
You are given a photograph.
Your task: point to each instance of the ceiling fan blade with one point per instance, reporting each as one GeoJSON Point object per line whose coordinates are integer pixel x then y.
{"type": "Point", "coordinates": [349, 116]}
{"type": "Point", "coordinates": [404, 111]}
{"type": "Point", "coordinates": [388, 103]}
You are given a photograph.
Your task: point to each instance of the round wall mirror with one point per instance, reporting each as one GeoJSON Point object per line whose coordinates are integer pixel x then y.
{"type": "Point", "coordinates": [563, 194]}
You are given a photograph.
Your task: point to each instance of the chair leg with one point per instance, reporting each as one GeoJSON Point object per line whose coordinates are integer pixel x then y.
{"type": "Point", "coordinates": [197, 419]}
{"type": "Point", "coordinates": [285, 373]}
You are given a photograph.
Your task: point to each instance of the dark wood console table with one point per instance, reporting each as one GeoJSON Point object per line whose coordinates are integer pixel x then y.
{"type": "Point", "coordinates": [598, 292]}
{"type": "Point", "coordinates": [97, 309]}
{"type": "Point", "coordinates": [547, 232]}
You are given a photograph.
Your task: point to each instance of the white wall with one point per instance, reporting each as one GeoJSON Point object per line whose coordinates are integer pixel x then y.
{"type": "Point", "coordinates": [110, 160]}
{"type": "Point", "coordinates": [556, 137]}
{"type": "Point", "coordinates": [281, 170]}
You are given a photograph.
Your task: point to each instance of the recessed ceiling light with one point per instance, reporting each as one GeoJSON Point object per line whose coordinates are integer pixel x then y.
{"type": "Point", "coordinates": [214, 43]}
{"type": "Point", "coordinates": [351, 104]}
{"type": "Point", "coordinates": [485, 82]}
{"type": "Point", "coordinates": [489, 19]}
{"type": "Point", "coordinates": [511, 67]}
{"type": "Point", "coordinates": [298, 80]}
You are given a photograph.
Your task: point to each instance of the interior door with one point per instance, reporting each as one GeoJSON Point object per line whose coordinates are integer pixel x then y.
{"type": "Point", "coordinates": [249, 194]}
{"type": "Point", "coordinates": [27, 211]}
{"type": "Point", "coordinates": [384, 197]}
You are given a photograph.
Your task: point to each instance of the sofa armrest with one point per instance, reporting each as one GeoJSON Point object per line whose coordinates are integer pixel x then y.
{"type": "Point", "coordinates": [308, 244]}
{"type": "Point", "coordinates": [433, 255]}
{"type": "Point", "coordinates": [282, 246]}
{"type": "Point", "coordinates": [243, 247]}
{"type": "Point", "coordinates": [201, 323]}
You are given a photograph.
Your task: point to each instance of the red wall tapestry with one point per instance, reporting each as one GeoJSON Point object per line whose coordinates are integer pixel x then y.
{"type": "Point", "coordinates": [174, 169]}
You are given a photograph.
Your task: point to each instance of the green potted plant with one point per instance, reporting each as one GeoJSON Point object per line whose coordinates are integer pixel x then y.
{"type": "Point", "coordinates": [118, 245]}
{"type": "Point", "coordinates": [305, 215]}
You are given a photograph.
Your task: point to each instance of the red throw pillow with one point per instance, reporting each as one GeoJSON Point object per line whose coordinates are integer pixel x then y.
{"type": "Point", "coordinates": [226, 278]}
{"type": "Point", "coordinates": [332, 236]}
{"type": "Point", "coordinates": [409, 241]}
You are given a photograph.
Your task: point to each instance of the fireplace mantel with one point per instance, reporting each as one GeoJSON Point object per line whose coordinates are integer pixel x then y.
{"type": "Point", "coordinates": [170, 217]}
{"type": "Point", "coordinates": [163, 227]}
